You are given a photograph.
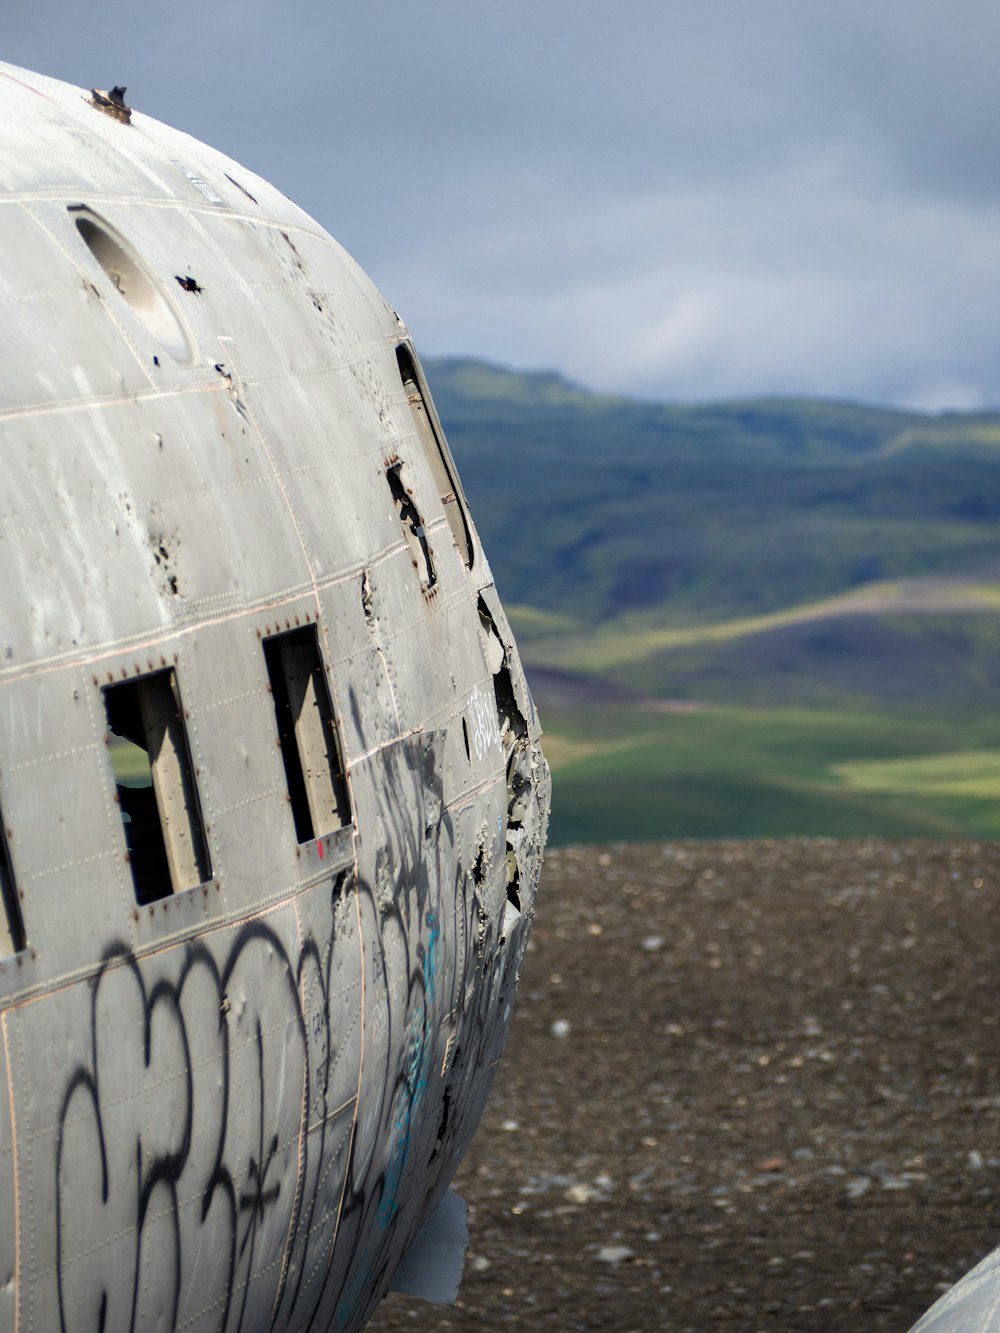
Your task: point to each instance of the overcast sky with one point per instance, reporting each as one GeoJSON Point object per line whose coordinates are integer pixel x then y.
{"type": "Point", "coordinates": [677, 198]}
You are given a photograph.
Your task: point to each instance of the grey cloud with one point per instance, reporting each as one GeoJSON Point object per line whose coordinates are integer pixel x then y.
{"type": "Point", "coordinates": [720, 198]}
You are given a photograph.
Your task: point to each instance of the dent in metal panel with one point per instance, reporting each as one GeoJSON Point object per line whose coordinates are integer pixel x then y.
{"type": "Point", "coordinates": [362, 685]}
{"type": "Point", "coordinates": [411, 633]}
{"type": "Point", "coordinates": [245, 293]}
{"type": "Point", "coordinates": [234, 547]}
{"type": "Point", "coordinates": [303, 295]}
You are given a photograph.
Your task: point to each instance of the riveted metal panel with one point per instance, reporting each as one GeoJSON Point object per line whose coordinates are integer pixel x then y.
{"type": "Point", "coordinates": [234, 1105]}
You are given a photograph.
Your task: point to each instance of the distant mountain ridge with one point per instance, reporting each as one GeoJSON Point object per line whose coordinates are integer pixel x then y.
{"type": "Point", "coordinates": [471, 385]}
{"type": "Point", "coordinates": [607, 517]}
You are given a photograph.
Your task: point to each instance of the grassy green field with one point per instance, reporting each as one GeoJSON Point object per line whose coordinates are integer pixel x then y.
{"type": "Point", "coordinates": [849, 725]}
{"type": "Point", "coordinates": [130, 764]}
{"type": "Point", "coordinates": [964, 773]}
{"type": "Point", "coordinates": [630, 774]}
{"type": "Point", "coordinates": [622, 642]}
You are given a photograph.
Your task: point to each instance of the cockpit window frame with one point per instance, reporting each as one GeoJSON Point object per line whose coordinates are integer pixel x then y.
{"type": "Point", "coordinates": [430, 434]}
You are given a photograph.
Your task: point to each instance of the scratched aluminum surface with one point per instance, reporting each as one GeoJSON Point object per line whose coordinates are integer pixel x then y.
{"type": "Point", "coordinates": [232, 1108]}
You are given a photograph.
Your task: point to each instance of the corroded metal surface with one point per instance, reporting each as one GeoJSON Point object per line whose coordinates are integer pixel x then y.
{"type": "Point", "coordinates": [233, 1105]}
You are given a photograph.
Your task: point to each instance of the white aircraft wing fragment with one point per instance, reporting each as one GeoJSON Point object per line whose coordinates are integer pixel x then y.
{"type": "Point", "coordinates": [432, 1271]}
{"type": "Point", "coordinates": [972, 1305]}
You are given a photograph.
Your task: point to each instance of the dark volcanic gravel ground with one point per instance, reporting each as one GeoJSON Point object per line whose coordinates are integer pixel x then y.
{"type": "Point", "coordinates": [776, 1105]}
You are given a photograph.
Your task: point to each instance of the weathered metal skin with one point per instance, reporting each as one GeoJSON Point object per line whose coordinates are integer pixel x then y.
{"type": "Point", "coordinates": [233, 1106]}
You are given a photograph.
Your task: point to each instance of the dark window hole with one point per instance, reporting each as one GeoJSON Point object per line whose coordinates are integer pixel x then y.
{"type": "Point", "coordinates": [307, 733]}
{"type": "Point", "coordinates": [12, 936]}
{"type": "Point", "coordinates": [479, 868]}
{"type": "Point", "coordinates": [443, 1126]}
{"type": "Point", "coordinates": [242, 189]}
{"type": "Point", "coordinates": [445, 1113]}
{"type": "Point", "coordinates": [154, 777]}
{"type": "Point", "coordinates": [513, 894]}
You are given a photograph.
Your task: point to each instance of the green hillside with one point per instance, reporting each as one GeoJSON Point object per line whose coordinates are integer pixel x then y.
{"type": "Point", "coordinates": [695, 512]}
{"type": "Point", "coordinates": [780, 564]}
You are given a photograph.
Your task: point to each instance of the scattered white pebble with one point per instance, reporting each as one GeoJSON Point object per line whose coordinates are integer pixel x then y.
{"type": "Point", "coordinates": [894, 1183]}
{"type": "Point", "coordinates": [614, 1254]}
{"type": "Point", "coordinates": [511, 1126]}
{"type": "Point", "coordinates": [652, 943]}
{"type": "Point", "coordinates": [561, 1028]}
{"type": "Point", "coordinates": [976, 1160]}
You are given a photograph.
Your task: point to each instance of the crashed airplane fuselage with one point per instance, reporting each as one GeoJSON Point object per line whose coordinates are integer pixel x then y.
{"type": "Point", "coordinates": [271, 794]}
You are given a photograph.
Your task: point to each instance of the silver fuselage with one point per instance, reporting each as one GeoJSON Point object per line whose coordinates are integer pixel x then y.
{"type": "Point", "coordinates": [272, 797]}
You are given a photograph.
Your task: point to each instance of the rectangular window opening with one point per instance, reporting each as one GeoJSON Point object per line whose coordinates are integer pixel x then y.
{"type": "Point", "coordinates": [12, 936]}
{"type": "Point", "coordinates": [442, 469]}
{"type": "Point", "coordinates": [307, 732]}
{"type": "Point", "coordinates": [154, 777]}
